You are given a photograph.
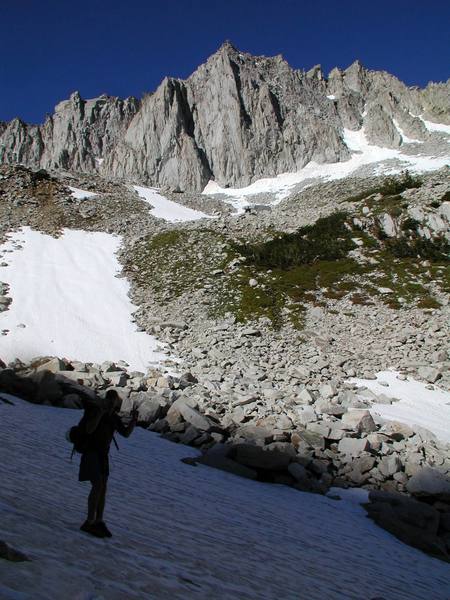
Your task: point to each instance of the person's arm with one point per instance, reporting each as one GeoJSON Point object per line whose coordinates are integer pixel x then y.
{"type": "Point", "coordinates": [126, 430]}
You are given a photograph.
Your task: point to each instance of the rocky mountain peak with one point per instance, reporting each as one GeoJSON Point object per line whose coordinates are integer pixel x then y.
{"type": "Point", "coordinates": [237, 118]}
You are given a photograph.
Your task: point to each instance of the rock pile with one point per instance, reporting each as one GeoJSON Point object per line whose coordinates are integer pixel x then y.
{"type": "Point", "coordinates": [312, 443]}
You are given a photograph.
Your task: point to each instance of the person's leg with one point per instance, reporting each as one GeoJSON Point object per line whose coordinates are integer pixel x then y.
{"type": "Point", "coordinates": [101, 500]}
{"type": "Point", "coordinates": [94, 499]}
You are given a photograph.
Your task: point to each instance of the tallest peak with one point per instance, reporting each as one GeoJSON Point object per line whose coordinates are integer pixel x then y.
{"type": "Point", "coordinates": [228, 45]}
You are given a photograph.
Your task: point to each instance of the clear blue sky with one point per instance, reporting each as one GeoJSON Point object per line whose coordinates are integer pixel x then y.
{"type": "Point", "coordinates": [49, 48]}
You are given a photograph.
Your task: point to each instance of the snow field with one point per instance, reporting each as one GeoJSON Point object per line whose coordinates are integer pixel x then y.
{"type": "Point", "coordinates": [185, 532]}
{"type": "Point", "coordinates": [68, 301]}
{"type": "Point", "coordinates": [417, 406]}
{"type": "Point", "coordinates": [167, 209]}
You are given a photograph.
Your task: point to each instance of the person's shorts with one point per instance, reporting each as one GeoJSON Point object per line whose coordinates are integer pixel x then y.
{"type": "Point", "coordinates": [93, 466]}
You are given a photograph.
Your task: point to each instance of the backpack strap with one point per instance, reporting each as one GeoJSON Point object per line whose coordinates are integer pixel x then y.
{"type": "Point", "coordinates": [115, 443]}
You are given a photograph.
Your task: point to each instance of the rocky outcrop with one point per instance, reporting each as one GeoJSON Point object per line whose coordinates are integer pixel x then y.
{"type": "Point", "coordinates": [236, 119]}
{"type": "Point", "coordinates": [76, 137]}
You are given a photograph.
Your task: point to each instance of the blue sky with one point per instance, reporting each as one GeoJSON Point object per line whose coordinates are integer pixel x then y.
{"type": "Point", "coordinates": [49, 48]}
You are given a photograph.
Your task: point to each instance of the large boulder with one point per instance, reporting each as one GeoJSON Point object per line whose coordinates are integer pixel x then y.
{"type": "Point", "coordinates": [258, 458]}
{"type": "Point", "coordinates": [359, 420]}
{"type": "Point", "coordinates": [414, 523]}
{"type": "Point", "coordinates": [181, 410]}
{"type": "Point", "coordinates": [353, 446]}
{"type": "Point", "coordinates": [429, 482]}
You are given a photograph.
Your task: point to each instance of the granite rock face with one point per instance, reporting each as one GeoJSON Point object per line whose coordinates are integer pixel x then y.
{"type": "Point", "coordinates": [236, 119]}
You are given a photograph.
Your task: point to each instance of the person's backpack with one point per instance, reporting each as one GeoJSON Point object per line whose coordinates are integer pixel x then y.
{"type": "Point", "coordinates": [78, 437]}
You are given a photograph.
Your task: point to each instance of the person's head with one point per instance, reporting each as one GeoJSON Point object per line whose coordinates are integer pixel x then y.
{"type": "Point", "coordinates": [113, 402]}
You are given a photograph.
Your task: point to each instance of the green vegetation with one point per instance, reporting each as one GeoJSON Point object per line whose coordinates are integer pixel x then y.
{"type": "Point", "coordinates": [328, 239]}
{"type": "Point", "coordinates": [311, 266]}
{"type": "Point", "coordinates": [418, 247]}
{"type": "Point", "coordinates": [397, 185]}
{"type": "Point", "coordinates": [391, 186]}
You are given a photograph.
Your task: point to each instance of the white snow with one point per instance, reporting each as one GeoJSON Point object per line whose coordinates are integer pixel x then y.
{"type": "Point", "coordinates": [67, 293]}
{"type": "Point", "coordinates": [418, 405]}
{"type": "Point", "coordinates": [183, 532]}
{"type": "Point", "coordinates": [331, 97]}
{"type": "Point", "coordinates": [167, 209]}
{"type": "Point", "coordinates": [99, 161]}
{"type": "Point", "coordinates": [405, 138]}
{"type": "Point", "coordinates": [439, 127]}
{"type": "Point", "coordinates": [364, 154]}
{"type": "Point", "coordinates": [81, 194]}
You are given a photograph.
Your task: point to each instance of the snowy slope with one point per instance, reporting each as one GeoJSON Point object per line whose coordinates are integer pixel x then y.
{"type": "Point", "coordinates": [183, 532]}
{"type": "Point", "coordinates": [167, 209]}
{"type": "Point", "coordinates": [68, 301]}
{"type": "Point", "coordinates": [417, 405]}
{"type": "Point", "coordinates": [364, 153]}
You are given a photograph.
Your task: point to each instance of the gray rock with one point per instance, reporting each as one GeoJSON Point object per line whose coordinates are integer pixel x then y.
{"type": "Point", "coordinates": [236, 119]}
{"type": "Point", "coordinates": [429, 482]}
{"type": "Point", "coordinates": [429, 374]}
{"type": "Point", "coordinates": [298, 472]}
{"type": "Point", "coordinates": [389, 465]}
{"type": "Point", "coordinates": [258, 458]}
{"type": "Point", "coordinates": [353, 446]}
{"type": "Point", "coordinates": [359, 420]}
{"type": "Point", "coordinates": [304, 414]}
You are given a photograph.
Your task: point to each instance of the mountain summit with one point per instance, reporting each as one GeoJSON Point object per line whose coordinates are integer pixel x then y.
{"type": "Point", "coordinates": [236, 119]}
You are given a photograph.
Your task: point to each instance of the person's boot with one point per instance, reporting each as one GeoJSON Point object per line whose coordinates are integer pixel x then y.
{"type": "Point", "coordinates": [102, 527]}
{"type": "Point", "coordinates": [93, 529]}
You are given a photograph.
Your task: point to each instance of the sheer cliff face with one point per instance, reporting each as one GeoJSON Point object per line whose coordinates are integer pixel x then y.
{"type": "Point", "coordinates": [236, 119]}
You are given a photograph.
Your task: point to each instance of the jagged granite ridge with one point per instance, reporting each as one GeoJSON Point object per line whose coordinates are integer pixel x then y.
{"type": "Point", "coordinates": [236, 119]}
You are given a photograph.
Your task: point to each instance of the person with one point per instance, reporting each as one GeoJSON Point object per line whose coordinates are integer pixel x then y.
{"type": "Point", "coordinates": [100, 423]}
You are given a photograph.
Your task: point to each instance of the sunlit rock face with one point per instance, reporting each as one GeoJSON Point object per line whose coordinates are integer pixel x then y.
{"type": "Point", "coordinates": [236, 119]}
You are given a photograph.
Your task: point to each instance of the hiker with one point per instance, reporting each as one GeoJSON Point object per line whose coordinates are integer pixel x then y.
{"type": "Point", "coordinates": [99, 425]}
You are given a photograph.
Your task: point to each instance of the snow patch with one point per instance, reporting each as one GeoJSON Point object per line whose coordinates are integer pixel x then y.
{"type": "Point", "coordinates": [439, 127]}
{"type": "Point", "coordinates": [364, 153]}
{"type": "Point", "coordinates": [418, 405]}
{"type": "Point", "coordinates": [167, 209]}
{"type": "Point", "coordinates": [331, 97]}
{"type": "Point", "coordinates": [68, 301]}
{"type": "Point", "coordinates": [81, 194]}
{"type": "Point", "coordinates": [181, 532]}
{"type": "Point", "coordinates": [405, 138]}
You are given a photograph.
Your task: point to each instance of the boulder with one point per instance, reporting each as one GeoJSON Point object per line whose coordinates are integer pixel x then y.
{"type": "Point", "coordinates": [11, 554]}
{"type": "Point", "coordinates": [304, 414]}
{"type": "Point", "coordinates": [258, 458]}
{"type": "Point", "coordinates": [150, 406]}
{"type": "Point", "coordinates": [359, 420]}
{"type": "Point", "coordinates": [54, 365]}
{"type": "Point", "coordinates": [430, 374]}
{"type": "Point", "coordinates": [224, 463]}
{"type": "Point", "coordinates": [353, 446]}
{"type": "Point", "coordinates": [304, 397]}
{"type": "Point", "coordinates": [181, 410]}
{"type": "Point", "coordinates": [414, 523]}
{"type": "Point", "coordinates": [389, 465]}
{"type": "Point", "coordinates": [298, 472]}
{"type": "Point", "coordinates": [429, 482]}
{"type": "Point", "coordinates": [48, 389]}
{"type": "Point", "coordinates": [397, 431]}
